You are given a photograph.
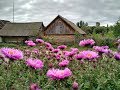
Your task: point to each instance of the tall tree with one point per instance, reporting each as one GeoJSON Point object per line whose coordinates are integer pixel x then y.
{"type": "Point", "coordinates": [116, 30]}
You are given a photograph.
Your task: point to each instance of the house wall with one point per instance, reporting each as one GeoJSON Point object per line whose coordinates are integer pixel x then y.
{"type": "Point", "coordinates": [61, 38]}
{"type": "Point", "coordinates": [0, 39]}
{"type": "Point", "coordinates": [59, 27]}
{"type": "Point", "coordinates": [13, 39]}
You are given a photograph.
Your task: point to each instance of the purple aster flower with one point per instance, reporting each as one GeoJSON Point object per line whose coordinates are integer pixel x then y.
{"type": "Point", "coordinates": [34, 86]}
{"type": "Point", "coordinates": [62, 47]}
{"type": "Point", "coordinates": [34, 63]}
{"type": "Point", "coordinates": [69, 54]}
{"type": "Point", "coordinates": [48, 44]}
{"type": "Point", "coordinates": [39, 41]}
{"type": "Point", "coordinates": [88, 55]}
{"type": "Point", "coordinates": [75, 85]}
{"type": "Point", "coordinates": [117, 56]}
{"type": "Point", "coordinates": [64, 63]}
{"type": "Point", "coordinates": [57, 74]}
{"type": "Point", "coordinates": [12, 53]}
{"type": "Point", "coordinates": [55, 50]}
{"type": "Point", "coordinates": [87, 42]}
{"type": "Point", "coordinates": [102, 49]}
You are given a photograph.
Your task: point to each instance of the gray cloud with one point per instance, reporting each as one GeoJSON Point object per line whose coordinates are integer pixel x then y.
{"type": "Point", "coordinates": [91, 11]}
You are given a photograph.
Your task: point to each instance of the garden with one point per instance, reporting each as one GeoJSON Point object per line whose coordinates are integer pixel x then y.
{"type": "Point", "coordinates": [39, 65]}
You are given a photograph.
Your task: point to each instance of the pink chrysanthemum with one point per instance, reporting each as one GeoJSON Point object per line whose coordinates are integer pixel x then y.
{"type": "Point", "coordinates": [55, 50]}
{"type": "Point", "coordinates": [87, 42]}
{"type": "Point", "coordinates": [118, 40]}
{"type": "Point", "coordinates": [69, 54]}
{"type": "Point", "coordinates": [101, 49]}
{"type": "Point", "coordinates": [35, 50]}
{"type": "Point", "coordinates": [75, 85]}
{"type": "Point", "coordinates": [39, 41]}
{"type": "Point", "coordinates": [50, 48]}
{"type": "Point", "coordinates": [117, 56]}
{"type": "Point", "coordinates": [64, 63]}
{"type": "Point", "coordinates": [34, 63]}
{"type": "Point", "coordinates": [30, 43]}
{"type": "Point", "coordinates": [34, 86]}
{"type": "Point", "coordinates": [12, 53]}
{"type": "Point", "coordinates": [58, 56]}
{"type": "Point", "coordinates": [62, 47]}
{"type": "Point", "coordinates": [75, 50]}
{"type": "Point", "coordinates": [57, 74]}
{"type": "Point", "coordinates": [89, 55]}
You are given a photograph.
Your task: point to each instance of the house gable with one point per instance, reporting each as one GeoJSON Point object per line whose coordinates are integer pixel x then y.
{"type": "Point", "coordinates": [58, 26]}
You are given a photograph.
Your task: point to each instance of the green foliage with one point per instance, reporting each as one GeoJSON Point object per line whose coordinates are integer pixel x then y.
{"type": "Point", "coordinates": [104, 40]}
{"type": "Point", "coordinates": [116, 30]}
{"type": "Point", "coordinates": [8, 45]}
{"type": "Point", "coordinates": [100, 30]}
{"type": "Point", "coordinates": [87, 29]}
{"type": "Point", "coordinates": [97, 24]}
{"type": "Point", "coordinates": [82, 24]}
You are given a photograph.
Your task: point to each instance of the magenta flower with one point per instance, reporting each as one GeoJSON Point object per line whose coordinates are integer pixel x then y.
{"type": "Point", "coordinates": [34, 86]}
{"type": "Point", "coordinates": [118, 40]}
{"type": "Point", "coordinates": [12, 53]}
{"type": "Point", "coordinates": [87, 42]}
{"type": "Point", "coordinates": [35, 50]}
{"type": "Point", "coordinates": [75, 85]}
{"type": "Point", "coordinates": [57, 74]}
{"type": "Point", "coordinates": [34, 63]}
{"type": "Point", "coordinates": [39, 41]}
{"type": "Point", "coordinates": [79, 56]}
{"type": "Point", "coordinates": [69, 54]}
{"type": "Point", "coordinates": [117, 56]}
{"type": "Point", "coordinates": [30, 43]}
{"type": "Point", "coordinates": [64, 63]}
{"type": "Point", "coordinates": [58, 56]}
{"type": "Point", "coordinates": [50, 48]}
{"type": "Point", "coordinates": [88, 55]}
{"type": "Point", "coordinates": [102, 49]}
{"type": "Point", "coordinates": [55, 50]}
{"type": "Point", "coordinates": [48, 44]}
{"type": "Point", "coordinates": [75, 50]}
{"type": "Point", "coordinates": [62, 47]}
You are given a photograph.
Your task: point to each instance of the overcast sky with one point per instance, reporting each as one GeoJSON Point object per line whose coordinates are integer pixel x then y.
{"type": "Point", "coordinates": [91, 11]}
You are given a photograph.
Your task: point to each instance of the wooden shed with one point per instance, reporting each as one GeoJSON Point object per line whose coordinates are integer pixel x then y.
{"type": "Point", "coordinates": [18, 32]}
{"type": "Point", "coordinates": [62, 30]}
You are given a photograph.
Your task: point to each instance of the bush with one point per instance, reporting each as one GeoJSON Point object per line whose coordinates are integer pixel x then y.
{"type": "Point", "coordinates": [116, 30]}
{"type": "Point", "coordinates": [100, 40]}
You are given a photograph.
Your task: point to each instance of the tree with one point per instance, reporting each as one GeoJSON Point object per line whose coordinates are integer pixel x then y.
{"type": "Point", "coordinates": [116, 29]}
{"type": "Point", "coordinates": [97, 24]}
{"type": "Point", "coordinates": [82, 24]}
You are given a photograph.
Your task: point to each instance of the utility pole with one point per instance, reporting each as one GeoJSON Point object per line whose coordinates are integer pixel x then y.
{"type": "Point", "coordinates": [13, 10]}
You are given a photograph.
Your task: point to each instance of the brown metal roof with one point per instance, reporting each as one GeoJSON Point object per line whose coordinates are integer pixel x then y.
{"type": "Point", "coordinates": [21, 29]}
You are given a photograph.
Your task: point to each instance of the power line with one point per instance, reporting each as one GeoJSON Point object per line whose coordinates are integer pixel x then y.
{"type": "Point", "coordinates": [13, 10]}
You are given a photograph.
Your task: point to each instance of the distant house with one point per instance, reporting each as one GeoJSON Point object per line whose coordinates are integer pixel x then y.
{"type": "Point", "coordinates": [62, 30]}
{"type": "Point", "coordinates": [2, 23]}
{"type": "Point", "coordinates": [17, 32]}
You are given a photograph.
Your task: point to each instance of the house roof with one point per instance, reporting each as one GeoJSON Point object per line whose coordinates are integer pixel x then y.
{"type": "Point", "coordinates": [2, 23]}
{"type": "Point", "coordinates": [21, 29]}
{"type": "Point", "coordinates": [71, 24]}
